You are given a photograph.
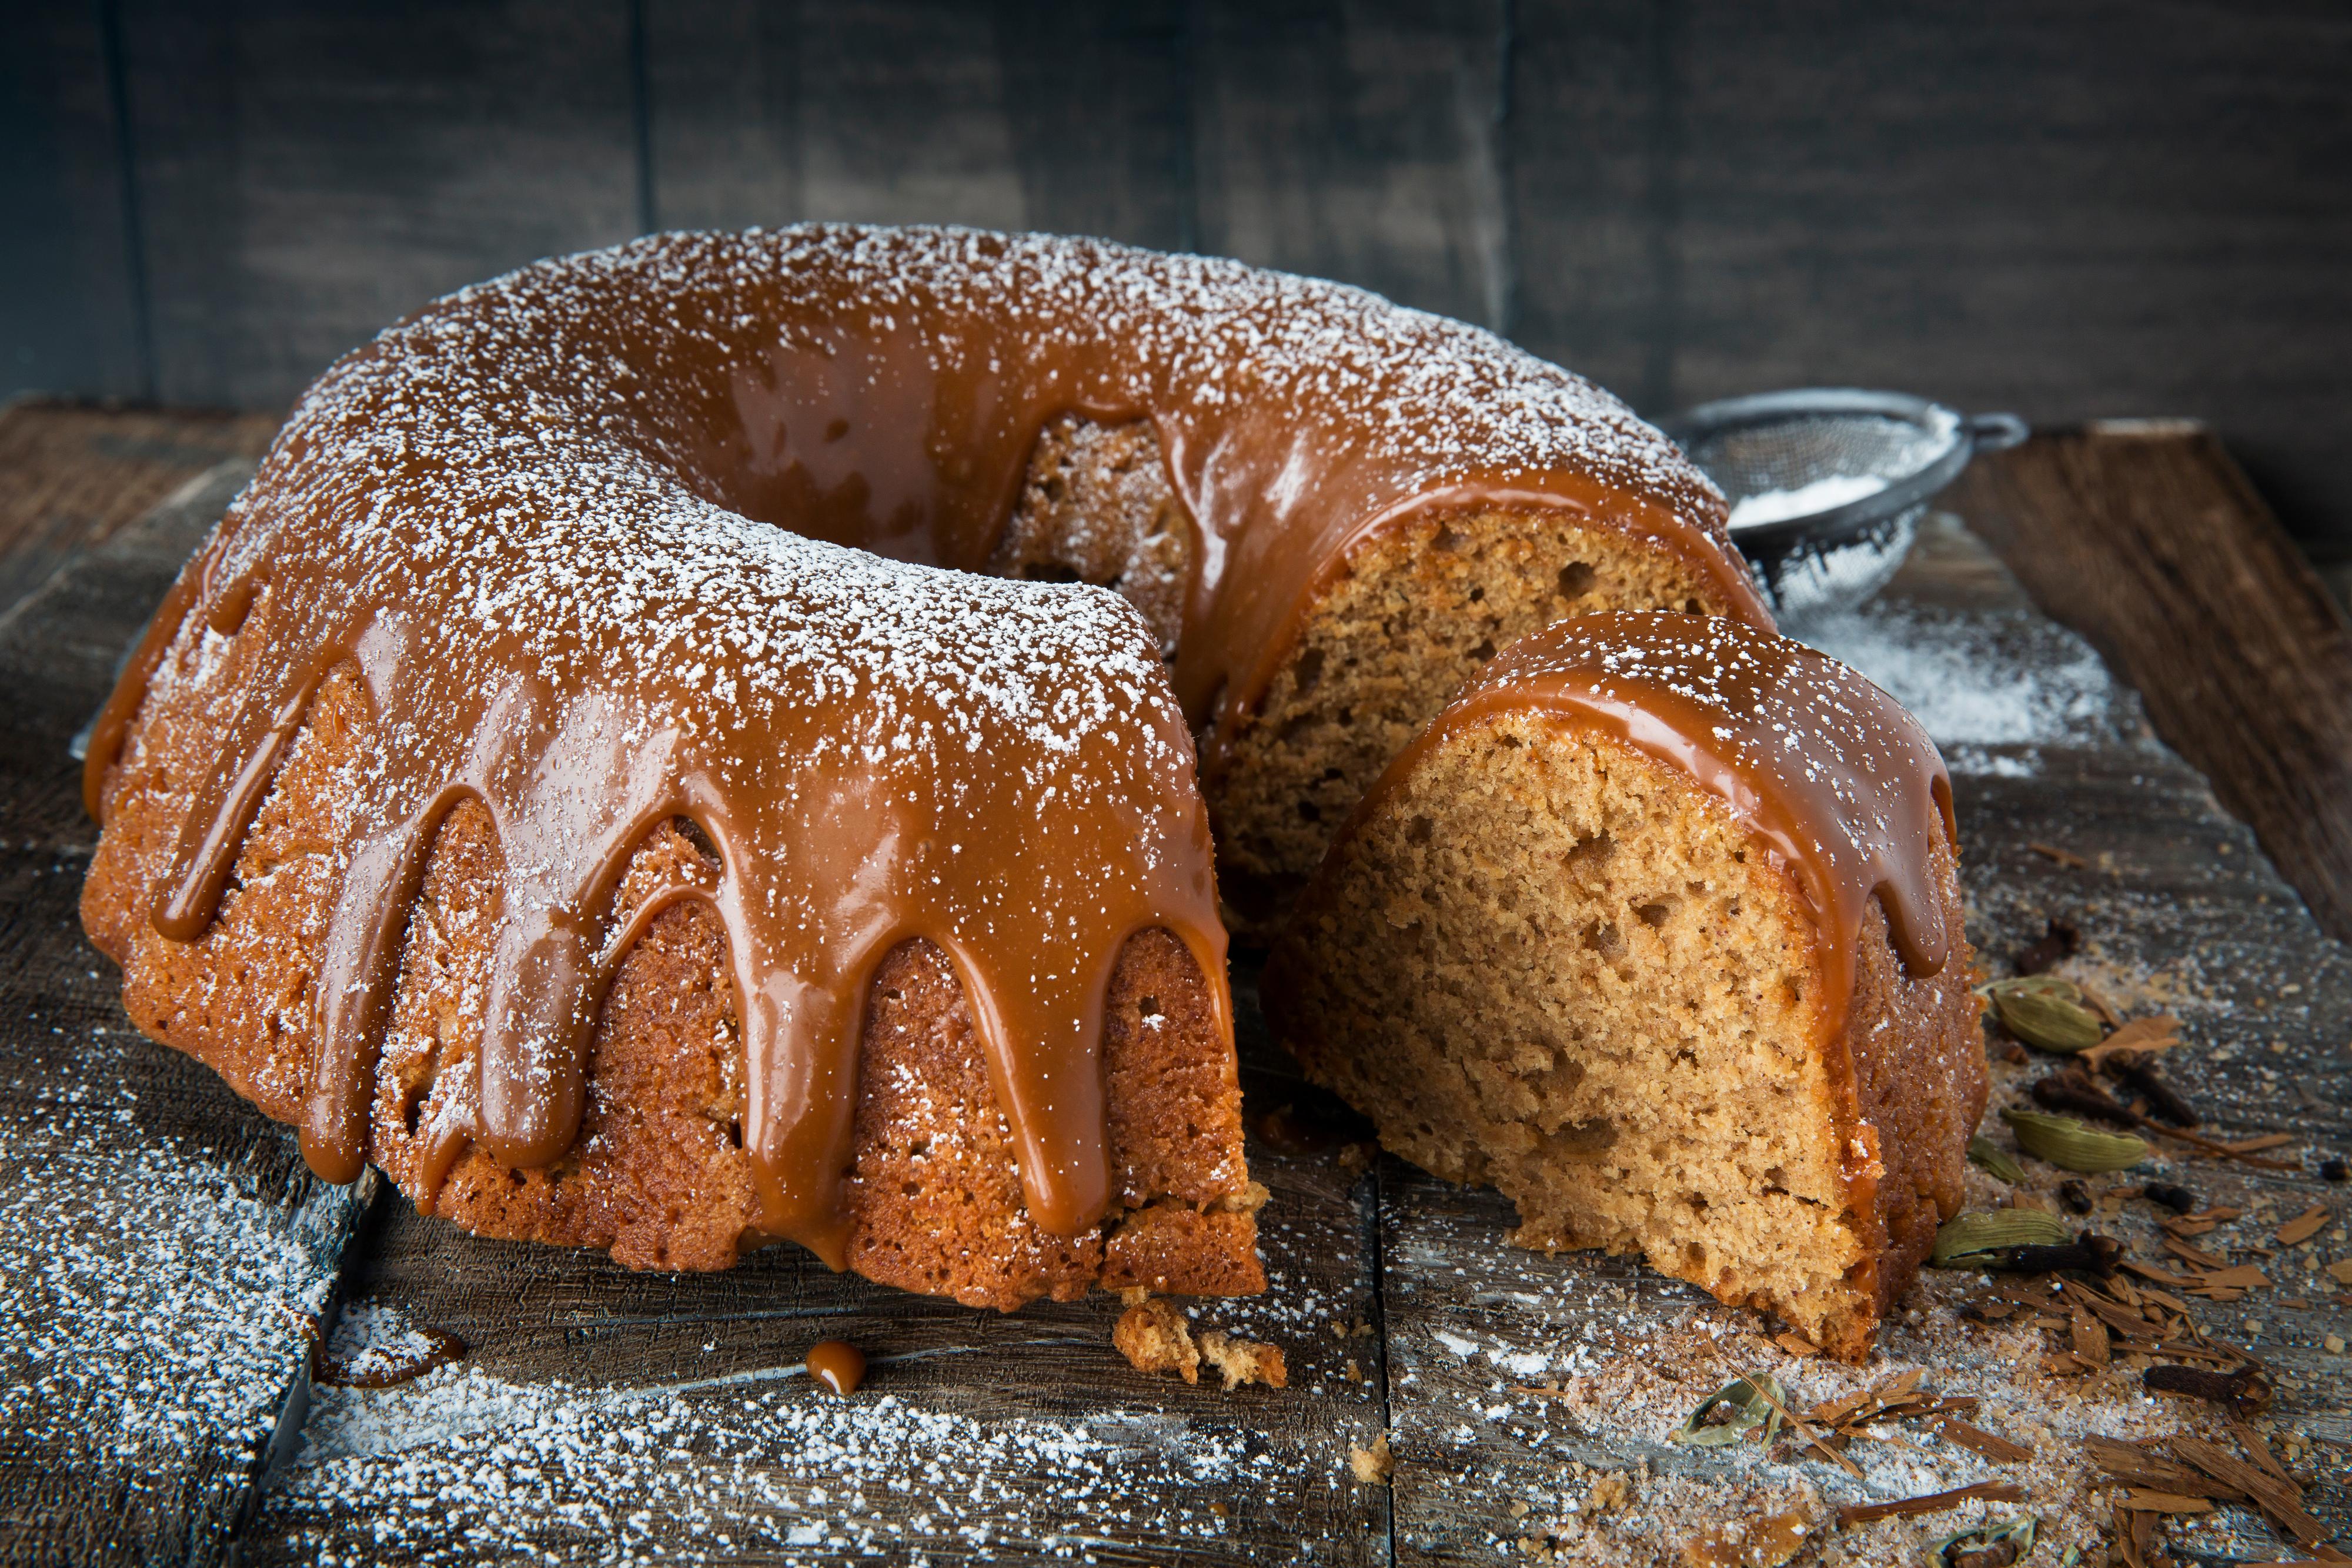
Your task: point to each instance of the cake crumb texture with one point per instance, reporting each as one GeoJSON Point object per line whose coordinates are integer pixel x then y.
{"type": "Point", "coordinates": [1548, 963]}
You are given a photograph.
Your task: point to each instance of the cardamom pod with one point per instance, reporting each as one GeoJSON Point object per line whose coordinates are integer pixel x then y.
{"type": "Point", "coordinates": [1731, 1412]}
{"type": "Point", "coordinates": [1970, 1236]}
{"type": "Point", "coordinates": [1993, 1541]}
{"type": "Point", "coordinates": [2073, 1145]}
{"type": "Point", "coordinates": [2045, 1013]}
{"type": "Point", "coordinates": [1989, 1157]}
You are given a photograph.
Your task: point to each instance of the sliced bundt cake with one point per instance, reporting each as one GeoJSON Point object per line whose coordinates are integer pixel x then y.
{"type": "Point", "coordinates": [1656, 930]}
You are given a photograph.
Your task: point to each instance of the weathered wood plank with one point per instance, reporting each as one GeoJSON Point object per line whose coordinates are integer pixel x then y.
{"type": "Point", "coordinates": [311, 174]}
{"type": "Point", "coordinates": [1065, 118]}
{"type": "Point", "coordinates": [2098, 211]}
{"type": "Point", "coordinates": [71, 474]}
{"type": "Point", "coordinates": [1357, 142]}
{"type": "Point", "coordinates": [155, 1238]}
{"type": "Point", "coordinates": [70, 300]}
{"type": "Point", "coordinates": [2149, 541]}
{"type": "Point", "coordinates": [1590, 193]}
{"type": "Point", "coordinates": [2178, 911]}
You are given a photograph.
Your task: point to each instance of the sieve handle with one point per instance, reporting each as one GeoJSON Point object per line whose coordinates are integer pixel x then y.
{"type": "Point", "coordinates": [1997, 432]}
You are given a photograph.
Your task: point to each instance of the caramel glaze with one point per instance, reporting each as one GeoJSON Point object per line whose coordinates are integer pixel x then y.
{"type": "Point", "coordinates": [578, 529]}
{"type": "Point", "coordinates": [1838, 780]}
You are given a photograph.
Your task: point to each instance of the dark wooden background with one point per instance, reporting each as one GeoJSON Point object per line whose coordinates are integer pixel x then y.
{"type": "Point", "coordinates": [2077, 210]}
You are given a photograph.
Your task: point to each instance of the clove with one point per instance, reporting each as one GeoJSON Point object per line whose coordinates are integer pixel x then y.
{"type": "Point", "coordinates": [2088, 1253]}
{"type": "Point", "coordinates": [2059, 939]}
{"type": "Point", "coordinates": [2241, 1392]}
{"type": "Point", "coordinates": [2139, 1072]}
{"type": "Point", "coordinates": [2180, 1200]}
{"type": "Point", "coordinates": [2073, 1091]}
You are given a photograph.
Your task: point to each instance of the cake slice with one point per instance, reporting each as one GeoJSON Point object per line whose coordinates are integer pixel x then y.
{"type": "Point", "coordinates": [1656, 930]}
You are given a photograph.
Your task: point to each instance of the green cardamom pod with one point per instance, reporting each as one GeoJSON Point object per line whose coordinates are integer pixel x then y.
{"type": "Point", "coordinates": [1970, 1236]}
{"type": "Point", "coordinates": [1731, 1412]}
{"type": "Point", "coordinates": [1987, 1541]}
{"type": "Point", "coordinates": [1989, 1157]}
{"type": "Point", "coordinates": [2073, 1145]}
{"type": "Point", "coordinates": [2045, 1013]}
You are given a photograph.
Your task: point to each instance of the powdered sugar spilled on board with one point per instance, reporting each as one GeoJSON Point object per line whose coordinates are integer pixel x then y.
{"type": "Point", "coordinates": [461, 1464]}
{"type": "Point", "coordinates": [2008, 680]}
{"type": "Point", "coordinates": [151, 1295]}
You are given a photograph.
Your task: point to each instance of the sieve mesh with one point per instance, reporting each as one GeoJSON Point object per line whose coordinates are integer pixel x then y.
{"type": "Point", "coordinates": [1834, 549]}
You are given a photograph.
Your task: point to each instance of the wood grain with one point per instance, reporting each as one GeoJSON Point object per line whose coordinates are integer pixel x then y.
{"type": "Point", "coordinates": [72, 301]}
{"type": "Point", "coordinates": [1066, 118]}
{"type": "Point", "coordinates": [2151, 541]}
{"type": "Point", "coordinates": [311, 174]}
{"type": "Point", "coordinates": [1359, 142]}
{"type": "Point", "coordinates": [72, 475]}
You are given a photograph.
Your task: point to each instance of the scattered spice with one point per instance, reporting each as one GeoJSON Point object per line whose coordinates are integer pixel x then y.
{"type": "Point", "coordinates": [2304, 1227]}
{"type": "Point", "coordinates": [2172, 1196]}
{"type": "Point", "coordinates": [2071, 1146]}
{"type": "Point", "coordinates": [1373, 1467]}
{"type": "Point", "coordinates": [2046, 1012]}
{"type": "Point", "coordinates": [2144, 1037]}
{"type": "Point", "coordinates": [1996, 1544]}
{"type": "Point", "coordinates": [2242, 1392]}
{"type": "Point", "coordinates": [2335, 1168]}
{"type": "Point", "coordinates": [2074, 1090]}
{"type": "Point", "coordinates": [1764, 1542]}
{"type": "Point", "coordinates": [1991, 1444]}
{"type": "Point", "coordinates": [1730, 1412]}
{"type": "Point", "coordinates": [2075, 1195]}
{"type": "Point", "coordinates": [1934, 1502]}
{"type": "Point", "coordinates": [2059, 939]}
{"type": "Point", "coordinates": [2138, 1070]}
{"type": "Point", "coordinates": [2066, 858]}
{"type": "Point", "coordinates": [1994, 1160]}
{"type": "Point", "coordinates": [1970, 1241]}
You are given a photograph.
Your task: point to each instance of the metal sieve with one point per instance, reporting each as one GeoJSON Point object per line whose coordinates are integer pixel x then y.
{"type": "Point", "coordinates": [1828, 483]}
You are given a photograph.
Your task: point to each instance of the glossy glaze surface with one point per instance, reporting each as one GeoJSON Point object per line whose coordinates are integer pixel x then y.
{"type": "Point", "coordinates": [689, 527]}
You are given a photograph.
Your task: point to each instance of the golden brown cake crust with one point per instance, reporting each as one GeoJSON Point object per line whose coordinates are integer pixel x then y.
{"type": "Point", "coordinates": [658, 1176]}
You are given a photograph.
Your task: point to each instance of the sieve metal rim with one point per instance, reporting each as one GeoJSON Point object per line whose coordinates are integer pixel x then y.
{"type": "Point", "coordinates": [1971, 434]}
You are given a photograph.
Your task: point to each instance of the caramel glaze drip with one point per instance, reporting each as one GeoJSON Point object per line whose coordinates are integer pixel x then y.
{"type": "Point", "coordinates": [1830, 771]}
{"type": "Point", "coordinates": [580, 530]}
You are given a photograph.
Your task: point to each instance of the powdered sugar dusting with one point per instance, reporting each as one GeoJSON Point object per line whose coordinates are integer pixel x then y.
{"type": "Point", "coordinates": [150, 1296]}
{"type": "Point", "coordinates": [461, 1464]}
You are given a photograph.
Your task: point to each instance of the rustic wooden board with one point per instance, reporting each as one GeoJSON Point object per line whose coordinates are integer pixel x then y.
{"type": "Point", "coordinates": [2093, 213]}
{"type": "Point", "coordinates": [71, 298]}
{"type": "Point", "coordinates": [1350, 141]}
{"type": "Point", "coordinates": [155, 1238]}
{"type": "Point", "coordinates": [307, 175]}
{"type": "Point", "coordinates": [76, 473]}
{"type": "Point", "coordinates": [2180, 558]}
{"type": "Point", "coordinates": [613, 1415]}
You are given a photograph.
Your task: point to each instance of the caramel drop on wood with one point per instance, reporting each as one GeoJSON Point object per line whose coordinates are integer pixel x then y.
{"type": "Point", "coordinates": [838, 1364]}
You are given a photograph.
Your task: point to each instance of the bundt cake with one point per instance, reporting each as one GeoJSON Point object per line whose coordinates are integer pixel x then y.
{"type": "Point", "coordinates": [1656, 930]}
{"type": "Point", "coordinates": [592, 774]}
